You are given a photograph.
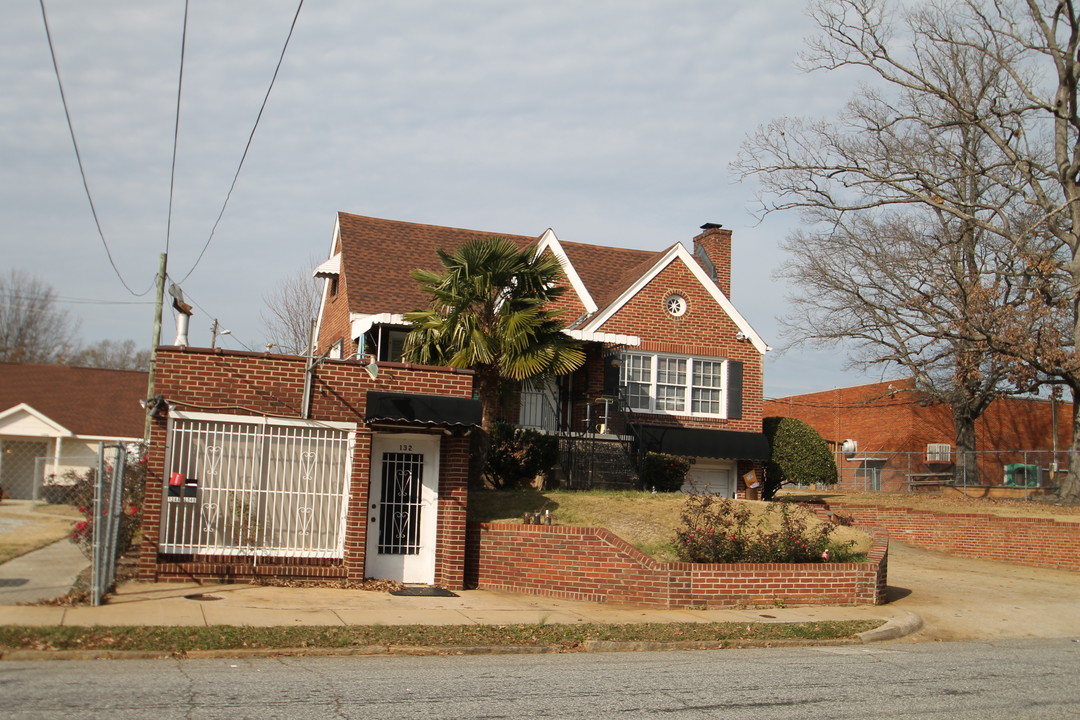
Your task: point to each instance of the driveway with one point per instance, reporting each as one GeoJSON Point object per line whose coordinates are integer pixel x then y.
{"type": "Point", "coordinates": [966, 599]}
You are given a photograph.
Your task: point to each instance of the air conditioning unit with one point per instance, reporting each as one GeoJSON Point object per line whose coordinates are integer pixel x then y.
{"type": "Point", "coordinates": [938, 453]}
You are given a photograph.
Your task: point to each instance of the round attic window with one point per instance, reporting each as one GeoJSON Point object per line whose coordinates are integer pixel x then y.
{"type": "Point", "coordinates": [675, 304]}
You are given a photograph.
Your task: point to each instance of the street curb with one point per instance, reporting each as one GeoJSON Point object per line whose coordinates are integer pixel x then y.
{"type": "Point", "coordinates": [896, 627]}
{"type": "Point", "coordinates": [588, 646]}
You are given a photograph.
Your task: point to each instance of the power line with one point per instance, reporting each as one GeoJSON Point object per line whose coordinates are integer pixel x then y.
{"type": "Point", "coordinates": [78, 157]}
{"type": "Point", "coordinates": [176, 128]}
{"type": "Point", "coordinates": [188, 298]}
{"type": "Point", "coordinates": [251, 136]}
{"type": "Point", "coordinates": [75, 300]}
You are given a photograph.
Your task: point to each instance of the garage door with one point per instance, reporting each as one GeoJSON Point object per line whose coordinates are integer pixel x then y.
{"type": "Point", "coordinates": [711, 477]}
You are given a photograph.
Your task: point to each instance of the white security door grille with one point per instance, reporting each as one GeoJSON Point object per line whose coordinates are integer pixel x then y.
{"type": "Point", "coordinates": [404, 507]}
{"type": "Point", "coordinates": [402, 503]}
{"type": "Point", "coordinates": [255, 486]}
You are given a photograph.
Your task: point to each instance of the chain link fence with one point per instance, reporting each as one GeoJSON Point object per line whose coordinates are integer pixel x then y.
{"type": "Point", "coordinates": [1020, 473]}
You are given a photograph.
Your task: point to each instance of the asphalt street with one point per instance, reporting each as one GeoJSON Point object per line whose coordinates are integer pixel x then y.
{"type": "Point", "coordinates": [1004, 680]}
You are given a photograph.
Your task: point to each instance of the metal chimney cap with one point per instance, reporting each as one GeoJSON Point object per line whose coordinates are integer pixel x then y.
{"type": "Point", "coordinates": [711, 226]}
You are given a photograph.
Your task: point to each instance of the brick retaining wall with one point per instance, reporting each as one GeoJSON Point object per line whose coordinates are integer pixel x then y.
{"type": "Point", "coordinates": [1040, 542]}
{"type": "Point", "coordinates": [594, 565]}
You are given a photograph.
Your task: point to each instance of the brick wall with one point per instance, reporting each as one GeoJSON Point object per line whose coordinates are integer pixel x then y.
{"type": "Point", "coordinates": [705, 329]}
{"type": "Point", "coordinates": [1040, 542]}
{"type": "Point", "coordinates": [592, 564]}
{"type": "Point", "coordinates": [240, 383]}
{"type": "Point", "coordinates": [335, 323]}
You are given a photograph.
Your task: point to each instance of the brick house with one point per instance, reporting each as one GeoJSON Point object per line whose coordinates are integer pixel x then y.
{"type": "Point", "coordinates": [888, 436]}
{"type": "Point", "coordinates": [53, 417]}
{"type": "Point", "coordinates": [671, 364]}
{"type": "Point", "coordinates": [356, 465]}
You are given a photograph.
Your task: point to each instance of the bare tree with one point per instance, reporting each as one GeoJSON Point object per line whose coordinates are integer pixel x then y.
{"type": "Point", "coordinates": [32, 329]}
{"type": "Point", "coordinates": [973, 127]}
{"type": "Point", "coordinates": [290, 309]}
{"type": "Point", "coordinates": [111, 354]}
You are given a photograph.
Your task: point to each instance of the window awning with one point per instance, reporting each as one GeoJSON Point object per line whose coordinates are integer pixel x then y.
{"type": "Point", "coordinates": [329, 269]}
{"type": "Point", "coordinates": [426, 410]}
{"type": "Point", "coordinates": [700, 442]}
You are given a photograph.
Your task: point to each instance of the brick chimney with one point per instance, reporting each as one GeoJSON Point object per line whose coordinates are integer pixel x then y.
{"type": "Point", "coordinates": [712, 248]}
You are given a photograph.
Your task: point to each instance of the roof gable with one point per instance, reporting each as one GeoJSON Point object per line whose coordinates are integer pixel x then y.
{"type": "Point", "coordinates": [549, 241]}
{"type": "Point", "coordinates": [25, 420]}
{"type": "Point", "coordinates": [678, 253]}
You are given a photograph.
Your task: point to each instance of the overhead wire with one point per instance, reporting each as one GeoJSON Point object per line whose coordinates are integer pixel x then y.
{"type": "Point", "coordinates": [176, 127]}
{"type": "Point", "coordinates": [75, 300]}
{"type": "Point", "coordinates": [209, 314]}
{"type": "Point", "coordinates": [247, 147]}
{"type": "Point", "coordinates": [78, 157]}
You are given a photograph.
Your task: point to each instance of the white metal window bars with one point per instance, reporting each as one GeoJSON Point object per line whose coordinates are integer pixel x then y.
{"type": "Point", "coordinates": [250, 486]}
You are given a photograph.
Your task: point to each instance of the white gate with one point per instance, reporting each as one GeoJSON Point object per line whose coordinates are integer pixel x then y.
{"type": "Point", "coordinates": [239, 485]}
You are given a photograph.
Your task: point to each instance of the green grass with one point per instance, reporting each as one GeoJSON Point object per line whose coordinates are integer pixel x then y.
{"type": "Point", "coordinates": [648, 521]}
{"type": "Point", "coordinates": [567, 637]}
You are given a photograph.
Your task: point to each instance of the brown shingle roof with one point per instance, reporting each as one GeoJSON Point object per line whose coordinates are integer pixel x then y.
{"type": "Point", "coordinates": [378, 255]}
{"type": "Point", "coordinates": [607, 271]}
{"type": "Point", "coordinates": [86, 401]}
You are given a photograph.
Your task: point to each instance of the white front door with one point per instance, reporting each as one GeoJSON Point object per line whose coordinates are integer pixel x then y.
{"type": "Point", "coordinates": [403, 508]}
{"type": "Point", "coordinates": [711, 477]}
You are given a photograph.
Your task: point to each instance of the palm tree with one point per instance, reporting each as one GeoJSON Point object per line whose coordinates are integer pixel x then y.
{"type": "Point", "coordinates": [489, 312]}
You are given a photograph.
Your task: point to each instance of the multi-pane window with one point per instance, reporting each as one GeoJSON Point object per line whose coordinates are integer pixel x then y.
{"type": "Point", "coordinates": [707, 384]}
{"type": "Point", "coordinates": [673, 384]}
{"type": "Point", "coordinates": [638, 380]}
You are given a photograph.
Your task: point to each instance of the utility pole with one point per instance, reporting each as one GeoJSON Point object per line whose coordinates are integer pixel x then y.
{"type": "Point", "coordinates": [155, 339]}
{"type": "Point", "coordinates": [214, 334]}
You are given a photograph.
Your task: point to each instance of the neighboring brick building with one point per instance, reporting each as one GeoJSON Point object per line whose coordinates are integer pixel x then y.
{"type": "Point", "coordinates": [888, 437]}
{"type": "Point", "coordinates": [671, 364]}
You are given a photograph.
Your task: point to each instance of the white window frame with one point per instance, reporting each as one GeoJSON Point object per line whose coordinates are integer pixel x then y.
{"type": "Point", "coordinates": [677, 371]}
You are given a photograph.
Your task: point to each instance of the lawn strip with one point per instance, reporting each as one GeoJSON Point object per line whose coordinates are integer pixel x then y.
{"type": "Point", "coordinates": [224, 637]}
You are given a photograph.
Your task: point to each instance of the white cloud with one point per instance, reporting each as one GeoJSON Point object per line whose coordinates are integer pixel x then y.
{"type": "Point", "coordinates": [612, 122]}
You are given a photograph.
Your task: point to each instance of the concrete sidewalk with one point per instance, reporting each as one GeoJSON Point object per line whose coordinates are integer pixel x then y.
{"type": "Point", "coordinates": [43, 574]}
{"type": "Point", "coordinates": [186, 604]}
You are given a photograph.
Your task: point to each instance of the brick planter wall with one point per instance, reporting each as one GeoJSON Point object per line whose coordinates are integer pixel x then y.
{"type": "Point", "coordinates": [594, 565]}
{"type": "Point", "coordinates": [1040, 542]}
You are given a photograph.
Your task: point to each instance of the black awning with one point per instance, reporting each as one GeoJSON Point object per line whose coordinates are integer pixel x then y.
{"type": "Point", "coordinates": [430, 410]}
{"type": "Point", "coordinates": [700, 442]}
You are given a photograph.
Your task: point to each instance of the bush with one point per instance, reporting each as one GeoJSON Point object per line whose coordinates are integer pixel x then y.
{"type": "Point", "coordinates": [664, 473]}
{"type": "Point", "coordinates": [719, 530]}
{"type": "Point", "coordinates": [798, 456]}
{"type": "Point", "coordinates": [517, 456]}
{"type": "Point", "coordinates": [131, 500]}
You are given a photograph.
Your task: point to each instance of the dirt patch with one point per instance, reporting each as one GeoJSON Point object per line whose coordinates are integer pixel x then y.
{"type": "Point", "coordinates": [951, 504]}
{"type": "Point", "coordinates": [24, 528]}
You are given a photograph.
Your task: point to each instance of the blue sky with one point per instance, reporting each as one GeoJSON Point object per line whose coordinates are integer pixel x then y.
{"type": "Point", "coordinates": [611, 122]}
